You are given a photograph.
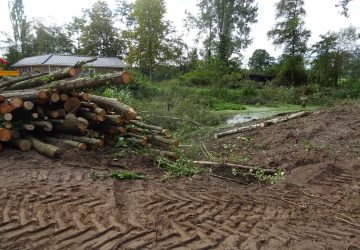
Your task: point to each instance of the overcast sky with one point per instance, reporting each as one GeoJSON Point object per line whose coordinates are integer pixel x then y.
{"type": "Point", "coordinates": [322, 16]}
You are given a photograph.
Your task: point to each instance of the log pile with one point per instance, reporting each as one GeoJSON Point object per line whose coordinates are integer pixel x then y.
{"type": "Point", "coordinates": [45, 109]}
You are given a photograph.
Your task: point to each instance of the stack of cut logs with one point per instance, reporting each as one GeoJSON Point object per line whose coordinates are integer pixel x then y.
{"type": "Point", "coordinates": [40, 110]}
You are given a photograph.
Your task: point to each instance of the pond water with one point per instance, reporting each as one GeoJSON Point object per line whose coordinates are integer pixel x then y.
{"type": "Point", "coordinates": [257, 112]}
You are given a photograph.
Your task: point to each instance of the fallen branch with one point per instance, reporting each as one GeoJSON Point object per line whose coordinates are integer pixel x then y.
{"type": "Point", "coordinates": [231, 165]}
{"type": "Point", "coordinates": [262, 125]}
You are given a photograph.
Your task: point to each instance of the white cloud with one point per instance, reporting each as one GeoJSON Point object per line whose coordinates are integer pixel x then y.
{"type": "Point", "coordinates": [321, 17]}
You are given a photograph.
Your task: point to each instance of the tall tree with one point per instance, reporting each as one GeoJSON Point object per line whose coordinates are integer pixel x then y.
{"type": "Point", "coordinates": [21, 27]}
{"type": "Point", "coordinates": [52, 39]}
{"type": "Point", "coordinates": [17, 17]}
{"type": "Point", "coordinates": [151, 40]}
{"type": "Point", "coordinates": [337, 55]}
{"type": "Point", "coordinates": [344, 5]}
{"type": "Point", "coordinates": [227, 25]}
{"type": "Point", "coordinates": [290, 33]}
{"type": "Point", "coordinates": [75, 28]}
{"type": "Point", "coordinates": [261, 60]}
{"type": "Point", "coordinates": [98, 36]}
{"type": "Point", "coordinates": [322, 64]}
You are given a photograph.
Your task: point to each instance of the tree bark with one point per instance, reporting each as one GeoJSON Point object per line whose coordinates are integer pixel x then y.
{"type": "Point", "coordinates": [112, 130]}
{"type": "Point", "coordinates": [113, 104]}
{"type": "Point", "coordinates": [261, 125]}
{"type": "Point", "coordinates": [6, 117]}
{"type": "Point", "coordinates": [74, 144]}
{"type": "Point", "coordinates": [72, 105]}
{"type": "Point", "coordinates": [88, 82]}
{"type": "Point", "coordinates": [231, 165]}
{"type": "Point", "coordinates": [114, 120]}
{"type": "Point", "coordinates": [43, 125]}
{"type": "Point", "coordinates": [21, 144]}
{"type": "Point", "coordinates": [143, 125]}
{"type": "Point", "coordinates": [87, 140]}
{"type": "Point", "coordinates": [70, 125]}
{"type": "Point", "coordinates": [5, 134]}
{"type": "Point", "coordinates": [20, 79]}
{"type": "Point", "coordinates": [45, 149]}
{"type": "Point", "coordinates": [28, 105]}
{"type": "Point", "coordinates": [42, 80]}
{"type": "Point", "coordinates": [90, 116]}
{"type": "Point", "coordinates": [163, 140]}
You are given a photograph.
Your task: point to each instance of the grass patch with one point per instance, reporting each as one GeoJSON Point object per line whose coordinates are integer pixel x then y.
{"type": "Point", "coordinates": [261, 176]}
{"type": "Point", "coordinates": [179, 168]}
{"type": "Point", "coordinates": [228, 106]}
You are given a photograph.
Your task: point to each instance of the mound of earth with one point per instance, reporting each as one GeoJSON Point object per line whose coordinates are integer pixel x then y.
{"type": "Point", "coordinates": [72, 204]}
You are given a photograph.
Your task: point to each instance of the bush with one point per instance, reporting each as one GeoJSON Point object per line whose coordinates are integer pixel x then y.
{"type": "Point", "coordinates": [291, 69]}
{"type": "Point", "coordinates": [208, 72]}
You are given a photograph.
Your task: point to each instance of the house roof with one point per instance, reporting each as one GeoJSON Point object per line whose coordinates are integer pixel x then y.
{"type": "Point", "coordinates": [3, 61]}
{"type": "Point", "coordinates": [67, 60]}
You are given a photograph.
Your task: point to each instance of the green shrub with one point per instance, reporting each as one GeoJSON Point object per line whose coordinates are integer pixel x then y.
{"type": "Point", "coordinates": [207, 72]}
{"type": "Point", "coordinates": [228, 106]}
{"type": "Point", "coordinates": [123, 95]}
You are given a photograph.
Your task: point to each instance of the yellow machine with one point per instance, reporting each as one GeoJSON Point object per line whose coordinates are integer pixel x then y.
{"type": "Point", "coordinates": [9, 72]}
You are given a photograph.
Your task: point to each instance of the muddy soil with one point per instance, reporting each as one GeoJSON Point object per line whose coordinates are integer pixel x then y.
{"type": "Point", "coordinates": [71, 203]}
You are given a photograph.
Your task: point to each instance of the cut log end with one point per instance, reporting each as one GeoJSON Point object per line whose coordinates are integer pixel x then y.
{"type": "Point", "coordinates": [28, 105]}
{"type": "Point", "coordinates": [21, 144]}
{"type": "Point", "coordinates": [5, 135]}
{"type": "Point", "coordinates": [125, 78]}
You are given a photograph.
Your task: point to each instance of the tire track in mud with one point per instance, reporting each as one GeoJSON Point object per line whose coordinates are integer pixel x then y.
{"type": "Point", "coordinates": [196, 220]}
{"type": "Point", "coordinates": [54, 209]}
{"type": "Point", "coordinates": [51, 209]}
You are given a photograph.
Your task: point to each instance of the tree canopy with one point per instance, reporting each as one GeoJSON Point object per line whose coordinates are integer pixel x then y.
{"type": "Point", "coordinates": [226, 25]}
{"type": "Point", "coordinates": [151, 39]}
{"type": "Point", "coordinates": [98, 36]}
{"type": "Point", "coordinates": [261, 60]}
{"type": "Point", "coordinates": [290, 34]}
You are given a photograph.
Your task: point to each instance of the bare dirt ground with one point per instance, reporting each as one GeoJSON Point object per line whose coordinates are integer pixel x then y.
{"type": "Point", "coordinates": [54, 204]}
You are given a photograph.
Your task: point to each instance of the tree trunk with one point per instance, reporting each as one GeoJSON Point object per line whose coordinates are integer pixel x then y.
{"type": "Point", "coordinates": [43, 125]}
{"type": "Point", "coordinates": [72, 105]}
{"type": "Point", "coordinates": [230, 165]}
{"type": "Point", "coordinates": [114, 120]}
{"type": "Point", "coordinates": [74, 144]}
{"type": "Point", "coordinates": [5, 134]}
{"type": "Point", "coordinates": [262, 124]}
{"type": "Point", "coordinates": [20, 79]}
{"type": "Point", "coordinates": [21, 144]}
{"type": "Point", "coordinates": [6, 117]}
{"type": "Point", "coordinates": [163, 140]}
{"type": "Point", "coordinates": [90, 116]}
{"type": "Point", "coordinates": [146, 126]}
{"type": "Point", "coordinates": [54, 76]}
{"type": "Point", "coordinates": [113, 104]}
{"type": "Point", "coordinates": [87, 140]}
{"type": "Point", "coordinates": [41, 93]}
{"type": "Point", "coordinates": [27, 95]}
{"type": "Point", "coordinates": [70, 125]}
{"type": "Point", "coordinates": [45, 149]}
{"type": "Point", "coordinates": [28, 105]}
{"type": "Point", "coordinates": [88, 82]}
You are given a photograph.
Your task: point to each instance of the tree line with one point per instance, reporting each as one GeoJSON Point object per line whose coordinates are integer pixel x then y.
{"type": "Point", "coordinates": [150, 43]}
